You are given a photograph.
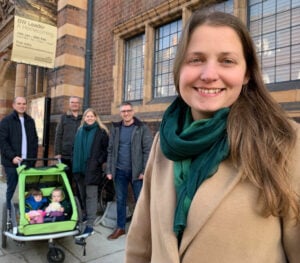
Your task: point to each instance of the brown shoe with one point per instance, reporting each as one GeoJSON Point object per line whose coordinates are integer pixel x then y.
{"type": "Point", "coordinates": [116, 234]}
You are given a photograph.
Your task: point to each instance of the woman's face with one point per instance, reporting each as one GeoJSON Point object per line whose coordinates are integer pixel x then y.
{"type": "Point", "coordinates": [89, 118]}
{"type": "Point", "coordinates": [213, 71]}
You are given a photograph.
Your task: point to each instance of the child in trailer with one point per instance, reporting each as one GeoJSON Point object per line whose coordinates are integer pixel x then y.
{"type": "Point", "coordinates": [59, 209]}
{"type": "Point", "coordinates": [35, 203]}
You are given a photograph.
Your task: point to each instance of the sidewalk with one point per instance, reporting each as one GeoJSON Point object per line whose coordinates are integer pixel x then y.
{"type": "Point", "coordinates": [98, 248]}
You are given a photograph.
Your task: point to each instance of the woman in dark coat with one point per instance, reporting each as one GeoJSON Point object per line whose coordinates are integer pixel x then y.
{"type": "Point", "coordinates": [89, 155]}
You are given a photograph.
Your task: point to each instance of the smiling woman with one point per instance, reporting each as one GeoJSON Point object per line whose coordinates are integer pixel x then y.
{"type": "Point", "coordinates": [89, 156]}
{"type": "Point", "coordinates": [222, 182]}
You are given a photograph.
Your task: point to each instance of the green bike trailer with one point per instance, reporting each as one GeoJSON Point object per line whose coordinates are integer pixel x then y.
{"type": "Point", "coordinates": [16, 225]}
{"type": "Point", "coordinates": [45, 178]}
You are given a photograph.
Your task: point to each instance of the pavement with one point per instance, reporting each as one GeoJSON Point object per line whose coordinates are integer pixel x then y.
{"type": "Point", "coordinates": [98, 249]}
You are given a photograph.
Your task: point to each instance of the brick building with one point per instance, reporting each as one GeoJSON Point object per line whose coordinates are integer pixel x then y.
{"type": "Point", "coordinates": [109, 51]}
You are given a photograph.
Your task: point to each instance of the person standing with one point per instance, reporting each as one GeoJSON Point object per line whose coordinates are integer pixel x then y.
{"type": "Point", "coordinates": [89, 158]}
{"type": "Point", "coordinates": [222, 182]}
{"type": "Point", "coordinates": [129, 146]}
{"type": "Point", "coordinates": [18, 141]}
{"type": "Point", "coordinates": [65, 134]}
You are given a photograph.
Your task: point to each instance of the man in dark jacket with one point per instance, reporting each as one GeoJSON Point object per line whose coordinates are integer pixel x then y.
{"type": "Point", "coordinates": [128, 150]}
{"type": "Point", "coordinates": [18, 141]}
{"type": "Point", "coordinates": [65, 134]}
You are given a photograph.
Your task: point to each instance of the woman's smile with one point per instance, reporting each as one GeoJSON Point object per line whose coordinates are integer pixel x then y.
{"type": "Point", "coordinates": [208, 92]}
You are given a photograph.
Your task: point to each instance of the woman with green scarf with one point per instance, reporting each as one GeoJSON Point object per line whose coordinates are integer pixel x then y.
{"type": "Point", "coordinates": [89, 156]}
{"type": "Point", "coordinates": [222, 181]}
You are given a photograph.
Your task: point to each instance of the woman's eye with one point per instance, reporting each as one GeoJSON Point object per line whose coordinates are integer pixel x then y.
{"type": "Point", "coordinates": [194, 60]}
{"type": "Point", "coordinates": [227, 61]}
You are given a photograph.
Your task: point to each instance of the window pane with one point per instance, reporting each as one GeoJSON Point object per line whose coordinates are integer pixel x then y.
{"type": "Point", "coordinates": [295, 3]}
{"type": "Point", "coordinates": [269, 24]}
{"type": "Point", "coordinates": [283, 56]}
{"type": "Point", "coordinates": [255, 28]}
{"type": "Point", "coordinates": [269, 7]}
{"type": "Point", "coordinates": [257, 42]}
{"type": "Point", "coordinates": [268, 59]}
{"type": "Point", "coordinates": [283, 38]}
{"type": "Point", "coordinates": [268, 42]}
{"type": "Point", "coordinates": [166, 40]}
{"type": "Point", "coordinates": [283, 20]}
{"type": "Point", "coordinates": [226, 6]}
{"type": "Point", "coordinates": [269, 75]}
{"type": "Point", "coordinates": [134, 68]}
{"type": "Point", "coordinates": [296, 71]}
{"type": "Point", "coordinates": [256, 12]}
{"type": "Point", "coordinates": [296, 16]}
{"type": "Point", "coordinates": [296, 54]}
{"type": "Point", "coordinates": [296, 35]}
{"type": "Point", "coordinates": [281, 73]}
{"type": "Point", "coordinates": [283, 5]}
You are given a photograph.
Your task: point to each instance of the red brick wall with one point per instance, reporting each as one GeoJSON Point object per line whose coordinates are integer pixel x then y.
{"type": "Point", "coordinates": [72, 15]}
{"type": "Point", "coordinates": [108, 14]}
{"type": "Point", "coordinates": [71, 45]}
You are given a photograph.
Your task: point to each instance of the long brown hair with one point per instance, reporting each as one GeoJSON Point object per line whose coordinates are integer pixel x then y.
{"type": "Point", "coordinates": [260, 135]}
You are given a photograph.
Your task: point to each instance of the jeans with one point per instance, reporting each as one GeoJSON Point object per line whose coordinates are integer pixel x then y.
{"type": "Point", "coordinates": [122, 179]}
{"type": "Point", "coordinates": [12, 181]}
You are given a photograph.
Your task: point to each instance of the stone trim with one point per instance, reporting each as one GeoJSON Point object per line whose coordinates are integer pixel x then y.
{"type": "Point", "coordinates": [82, 4]}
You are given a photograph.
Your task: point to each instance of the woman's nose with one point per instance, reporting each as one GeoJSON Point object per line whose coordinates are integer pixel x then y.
{"type": "Point", "coordinates": [209, 72]}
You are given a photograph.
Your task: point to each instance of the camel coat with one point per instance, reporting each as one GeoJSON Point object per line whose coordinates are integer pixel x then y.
{"type": "Point", "coordinates": [223, 225]}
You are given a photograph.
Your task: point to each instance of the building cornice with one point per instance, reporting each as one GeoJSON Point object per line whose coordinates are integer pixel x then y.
{"type": "Point", "coordinates": [158, 15]}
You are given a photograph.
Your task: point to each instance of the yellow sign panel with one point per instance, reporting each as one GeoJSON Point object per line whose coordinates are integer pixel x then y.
{"type": "Point", "coordinates": [34, 42]}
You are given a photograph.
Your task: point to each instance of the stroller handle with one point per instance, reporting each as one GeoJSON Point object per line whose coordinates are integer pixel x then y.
{"type": "Point", "coordinates": [39, 159]}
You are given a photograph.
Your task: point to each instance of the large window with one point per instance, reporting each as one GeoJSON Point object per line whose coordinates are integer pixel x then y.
{"type": "Point", "coordinates": [166, 40]}
{"type": "Point", "coordinates": [275, 27]}
{"type": "Point", "coordinates": [134, 68]}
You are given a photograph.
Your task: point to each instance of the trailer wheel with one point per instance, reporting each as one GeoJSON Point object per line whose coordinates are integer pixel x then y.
{"type": "Point", "coordinates": [55, 255]}
{"type": "Point", "coordinates": [106, 193]}
{"type": "Point", "coordinates": [4, 225]}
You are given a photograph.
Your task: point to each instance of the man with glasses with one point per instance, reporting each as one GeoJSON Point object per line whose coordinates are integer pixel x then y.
{"type": "Point", "coordinates": [65, 135]}
{"type": "Point", "coordinates": [128, 150]}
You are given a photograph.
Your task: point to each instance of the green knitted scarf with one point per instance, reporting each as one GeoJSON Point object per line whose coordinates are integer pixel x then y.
{"type": "Point", "coordinates": [196, 147]}
{"type": "Point", "coordinates": [82, 146]}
